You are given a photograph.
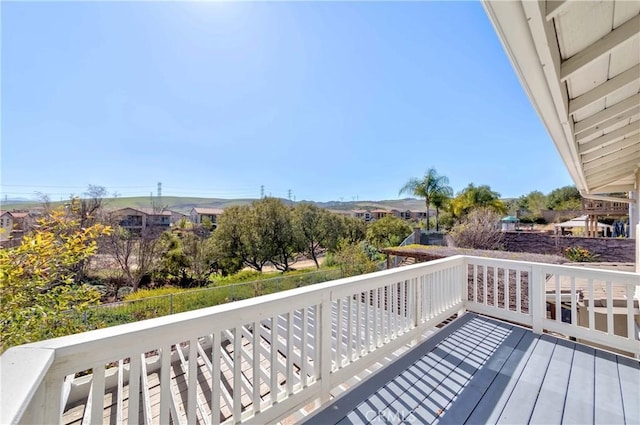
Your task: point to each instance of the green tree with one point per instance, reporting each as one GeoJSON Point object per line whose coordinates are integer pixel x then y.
{"type": "Point", "coordinates": [532, 204]}
{"type": "Point", "coordinates": [388, 231]}
{"type": "Point", "coordinates": [354, 230]}
{"type": "Point", "coordinates": [337, 231]}
{"type": "Point", "coordinates": [188, 257]}
{"type": "Point", "coordinates": [432, 187]}
{"type": "Point", "coordinates": [233, 238]}
{"type": "Point", "coordinates": [314, 228]}
{"type": "Point", "coordinates": [473, 197]}
{"type": "Point", "coordinates": [352, 259]}
{"type": "Point", "coordinates": [564, 198]}
{"type": "Point", "coordinates": [273, 227]}
{"type": "Point", "coordinates": [255, 235]}
{"type": "Point", "coordinates": [37, 280]}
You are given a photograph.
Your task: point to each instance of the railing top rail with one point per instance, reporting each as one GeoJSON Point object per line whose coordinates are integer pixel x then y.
{"type": "Point", "coordinates": [21, 383]}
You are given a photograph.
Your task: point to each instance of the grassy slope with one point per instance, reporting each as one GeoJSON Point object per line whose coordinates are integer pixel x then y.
{"type": "Point", "coordinates": [185, 204]}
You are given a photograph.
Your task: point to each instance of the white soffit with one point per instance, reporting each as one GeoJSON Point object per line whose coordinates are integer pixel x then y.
{"type": "Point", "coordinates": [579, 62]}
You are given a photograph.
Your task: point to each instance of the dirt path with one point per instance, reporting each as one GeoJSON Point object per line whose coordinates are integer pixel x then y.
{"type": "Point", "coordinates": [303, 264]}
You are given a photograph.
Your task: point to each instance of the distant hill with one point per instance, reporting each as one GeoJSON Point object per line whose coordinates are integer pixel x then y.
{"type": "Point", "coordinates": [185, 204]}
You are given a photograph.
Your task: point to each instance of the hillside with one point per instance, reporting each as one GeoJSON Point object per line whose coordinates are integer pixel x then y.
{"type": "Point", "coordinates": [185, 204]}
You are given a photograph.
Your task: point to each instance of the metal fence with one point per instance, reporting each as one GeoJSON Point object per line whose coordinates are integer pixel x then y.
{"type": "Point", "coordinates": [112, 314]}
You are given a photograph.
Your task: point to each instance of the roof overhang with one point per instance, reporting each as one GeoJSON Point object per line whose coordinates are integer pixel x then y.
{"type": "Point", "coordinates": [579, 63]}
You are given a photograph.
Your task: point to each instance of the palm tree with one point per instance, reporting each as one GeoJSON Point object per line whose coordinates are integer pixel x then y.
{"type": "Point", "coordinates": [433, 187]}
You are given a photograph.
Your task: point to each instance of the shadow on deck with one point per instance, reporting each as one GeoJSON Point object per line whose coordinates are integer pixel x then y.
{"type": "Point", "coordinates": [480, 370]}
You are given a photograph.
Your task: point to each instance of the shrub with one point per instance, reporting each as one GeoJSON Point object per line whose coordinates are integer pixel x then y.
{"type": "Point", "coordinates": [480, 229]}
{"type": "Point", "coordinates": [578, 254]}
{"type": "Point", "coordinates": [329, 260]}
{"type": "Point", "coordinates": [242, 276]}
{"type": "Point", "coordinates": [148, 293]}
{"type": "Point", "coordinates": [353, 261]}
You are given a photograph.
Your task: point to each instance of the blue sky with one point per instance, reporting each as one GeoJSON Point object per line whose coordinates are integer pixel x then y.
{"type": "Point", "coordinates": [330, 100]}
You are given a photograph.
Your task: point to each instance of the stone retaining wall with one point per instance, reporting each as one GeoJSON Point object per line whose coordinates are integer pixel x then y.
{"type": "Point", "coordinates": [622, 250]}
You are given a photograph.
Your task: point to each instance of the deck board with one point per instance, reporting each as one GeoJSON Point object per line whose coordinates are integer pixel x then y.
{"type": "Point", "coordinates": [578, 408]}
{"type": "Point", "coordinates": [551, 399]}
{"type": "Point", "coordinates": [482, 370]}
{"type": "Point", "coordinates": [466, 402]}
{"type": "Point", "coordinates": [608, 398]}
{"type": "Point", "coordinates": [523, 398]}
{"type": "Point", "coordinates": [435, 404]}
{"type": "Point", "coordinates": [629, 373]}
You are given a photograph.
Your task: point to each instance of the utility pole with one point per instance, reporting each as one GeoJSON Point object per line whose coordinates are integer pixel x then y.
{"type": "Point", "coordinates": [159, 190]}
{"type": "Point", "coordinates": [261, 191]}
{"type": "Point", "coordinates": [289, 194]}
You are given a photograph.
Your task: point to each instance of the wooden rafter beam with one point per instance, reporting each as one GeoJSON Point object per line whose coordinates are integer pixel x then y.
{"type": "Point", "coordinates": [613, 111]}
{"type": "Point", "coordinates": [612, 188]}
{"type": "Point", "coordinates": [609, 161]}
{"type": "Point", "coordinates": [554, 8]}
{"type": "Point", "coordinates": [612, 148]}
{"type": "Point", "coordinates": [599, 186]}
{"type": "Point", "coordinates": [613, 174]}
{"type": "Point", "coordinates": [621, 133]}
{"type": "Point", "coordinates": [602, 47]}
{"type": "Point", "coordinates": [632, 114]}
{"type": "Point", "coordinates": [629, 153]}
{"type": "Point", "coordinates": [595, 186]}
{"type": "Point", "coordinates": [611, 86]}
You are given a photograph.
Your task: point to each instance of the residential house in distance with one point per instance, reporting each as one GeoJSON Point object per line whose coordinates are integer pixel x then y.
{"type": "Point", "coordinates": [362, 214]}
{"type": "Point", "coordinates": [158, 219]}
{"type": "Point", "coordinates": [15, 224]}
{"type": "Point", "coordinates": [6, 225]}
{"type": "Point", "coordinates": [418, 215]}
{"type": "Point", "coordinates": [136, 220]}
{"type": "Point", "coordinates": [198, 215]}
{"type": "Point", "coordinates": [378, 214]}
{"type": "Point", "coordinates": [176, 216]}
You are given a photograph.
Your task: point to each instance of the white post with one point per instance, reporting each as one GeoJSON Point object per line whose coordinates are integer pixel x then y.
{"type": "Point", "coordinates": [461, 274]}
{"type": "Point", "coordinates": [537, 299]}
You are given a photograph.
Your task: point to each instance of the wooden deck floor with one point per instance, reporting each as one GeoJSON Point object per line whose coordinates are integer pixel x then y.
{"type": "Point", "coordinates": [480, 370]}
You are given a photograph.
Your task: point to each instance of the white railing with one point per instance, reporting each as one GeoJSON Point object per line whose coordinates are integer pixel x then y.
{"type": "Point", "coordinates": [260, 359]}
{"type": "Point", "coordinates": [592, 305]}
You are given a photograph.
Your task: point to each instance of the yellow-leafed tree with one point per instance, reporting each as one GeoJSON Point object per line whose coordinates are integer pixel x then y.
{"type": "Point", "coordinates": [38, 290]}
